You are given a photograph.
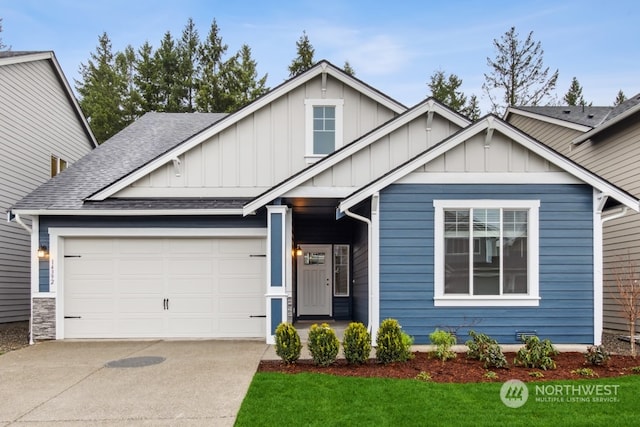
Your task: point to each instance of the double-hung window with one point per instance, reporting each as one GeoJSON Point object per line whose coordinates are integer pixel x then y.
{"type": "Point", "coordinates": [323, 127]}
{"type": "Point", "coordinates": [486, 252]}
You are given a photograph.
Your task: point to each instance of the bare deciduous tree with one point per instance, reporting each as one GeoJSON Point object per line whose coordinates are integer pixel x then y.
{"type": "Point", "coordinates": [628, 295]}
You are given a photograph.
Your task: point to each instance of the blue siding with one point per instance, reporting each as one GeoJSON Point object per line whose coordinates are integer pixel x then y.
{"type": "Point", "coordinates": [277, 249]}
{"type": "Point", "coordinates": [565, 314]}
{"type": "Point", "coordinates": [221, 221]}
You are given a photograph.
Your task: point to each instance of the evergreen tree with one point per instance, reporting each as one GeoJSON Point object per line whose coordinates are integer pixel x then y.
{"type": "Point", "coordinates": [100, 90]}
{"type": "Point", "coordinates": [620, 98]}
{"type": "Point", "coordinates": [304, 60]}
{"type": "Point", "coordinates": [517, 73]}
{"type": "Point", "coordinates": [472, 109]}
{"type": "Point", "coordinates": [574, 94]}
{"type": "Point", "coordinates": [210, 59]}
{"type": "Point", "coordinates": [146, 79]}
{"type": "Point", "coordinates": [188, 50]}
{"type": "Point", "coordinates": [126, 69]}
{"type": "Point", "coordinates": [240, 82]}
{"type": "Point", "coordinates": [446, 90]}
{"type": "Point", "coordinates": [348, 69]}
{"type": "Point", "coordinates": [170, 90]}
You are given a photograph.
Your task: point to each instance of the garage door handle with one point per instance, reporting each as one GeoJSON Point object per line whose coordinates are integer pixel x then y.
{"type": "Point", "coordinates": [165, 304]}
{"type": "Point", "coordinates": [73, 317]}
{"type": "Point", "coordinates": [258, 315]}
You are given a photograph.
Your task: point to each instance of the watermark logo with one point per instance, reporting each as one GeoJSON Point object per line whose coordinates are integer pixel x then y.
{"type": "Point", "coordinates": [514, 393]}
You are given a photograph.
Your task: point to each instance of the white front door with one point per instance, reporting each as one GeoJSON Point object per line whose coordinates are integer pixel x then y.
{"type": "Point", "coordinates": [315, 280]}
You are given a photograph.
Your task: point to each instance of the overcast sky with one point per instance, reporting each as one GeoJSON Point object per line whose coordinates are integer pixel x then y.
{"type": "Point", "coordinates": [394, 46]}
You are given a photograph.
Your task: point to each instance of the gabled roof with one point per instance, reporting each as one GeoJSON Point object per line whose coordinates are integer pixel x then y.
{"type": "Point", "coordinates": [617, 114]}
{"type": "Point", "coordinates": [308, 173]}
{"type": "Point", "coordinates": [573, 117]}
{"type": "Point", "coordinates": [147, 138]}
{"type": "Point", "coordinates": [318, 69]}
{"type": "Point", "coordinates": [491, 122]}
{"type": "Point", "coordinates": [17, 57]}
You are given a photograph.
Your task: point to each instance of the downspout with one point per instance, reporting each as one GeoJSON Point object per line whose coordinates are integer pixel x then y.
{"type": "Point", "coordinates": [372, 270]}
{"type": "Point", "coordinates": [367, 221]}
{"type": "Point", "coordinates": [18, 220]}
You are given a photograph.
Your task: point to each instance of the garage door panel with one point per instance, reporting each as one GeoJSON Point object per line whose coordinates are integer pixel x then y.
{"type": "Point", "coordinates": [212, 286]}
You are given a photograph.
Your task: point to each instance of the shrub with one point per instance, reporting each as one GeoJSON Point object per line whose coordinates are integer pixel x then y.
{"type": "Point", "coordinates": [288, 345]}
{"type": "Point", "coordinates": [536, 354]}
{"type": "Point", "coordinates": [323, 344]}
{"type": "Point", "coordinates": [487, 350]}
{"type": "Point", "coordinates": [393, 345]}
{"type": "Point", "coordinates": [584, 372]}
{"type": "Point", "coordinates": [424, 376]}
{"type": "Point", "coordinates": [536, 374]}
{"type": "Point", "coordinates": [490, 375]}
{"type": "Point", "coordinates": [597, 355]}
{"type": "Point", "coordinates": [443, 341]}
{"type": "Point", "coordinates": [636, 369]}
{"type": "Point", "coordinates": [356, 343]}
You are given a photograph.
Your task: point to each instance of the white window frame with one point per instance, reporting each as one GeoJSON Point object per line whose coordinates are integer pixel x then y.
{"type": "Point", "coordinates": [531, 299]}
{"type": "Point", "coordinates": [348, 266]}
{"type": "Point", "coordinates": [60, 165]}
{"type": "Point", "coordinates": [310, 156]}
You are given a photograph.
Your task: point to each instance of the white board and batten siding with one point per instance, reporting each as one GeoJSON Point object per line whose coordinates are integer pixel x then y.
{"type": "Point", "coordinates": [118, 287]}
{"type": "Point", "coordinates": [37, 120]}
{"type": "Point", "coordinates": [258, 152]}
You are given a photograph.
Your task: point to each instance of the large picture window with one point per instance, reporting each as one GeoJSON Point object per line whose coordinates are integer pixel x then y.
{"type": "Point", "coordinates": [486, 252]}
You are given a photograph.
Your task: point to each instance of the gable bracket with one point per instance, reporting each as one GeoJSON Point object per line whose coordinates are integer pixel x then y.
{"type": "Point", "coordinates": [177, 166]}
{"type": "Point", "coordinates": [324, 81]}
{"type": "Point", "coordinates": [489, 134]}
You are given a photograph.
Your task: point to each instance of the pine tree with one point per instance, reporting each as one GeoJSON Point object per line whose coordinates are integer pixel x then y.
{"type": "Point", "coordinates": [146, 79]}
{"type": "Point", "coordinates": [348, 69]}
{"type": "Point", "coordinates": [170, 89]}
{"type": "Point", "coordinates": [210, 59]}
{"type": "Point", "coordinates": [126, 69]}
{"type": "Point", "coordinates": [304, 60]}
{"type": "Point", "coordinates": [472, 109]}
{"type": "Point", "coordinates": [240, 80]}
{"type": "Point", "coordinates": [620, 98]}
{"type": "Point", "coordinates": [188, 51]}
{"type": "Point", "coordinates": [574, 96]}
{"type": "Point", "coordinates": [517, 73]}
{"type": "Point", "coordinates": [101, 91]}
{"type": "Point", "coordinates": [446, 90]}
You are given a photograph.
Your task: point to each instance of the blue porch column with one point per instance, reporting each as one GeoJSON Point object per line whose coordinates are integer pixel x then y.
{"type": "Point", "coordinates": [278, 258]}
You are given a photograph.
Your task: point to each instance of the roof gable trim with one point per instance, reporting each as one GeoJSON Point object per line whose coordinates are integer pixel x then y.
{"type": "Point", "coordinates": [547, 119]}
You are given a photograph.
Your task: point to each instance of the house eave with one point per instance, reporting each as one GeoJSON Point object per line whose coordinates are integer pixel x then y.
{"type": "Point", "coordinates": [132, 212]}
{"type": "Point", "coordinates": [595, 131]}
{"type": "Point", "coordinates": [551, 120]}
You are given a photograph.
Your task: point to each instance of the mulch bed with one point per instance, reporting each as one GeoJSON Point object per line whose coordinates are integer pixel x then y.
{"type": "Point", "coordinates": [459, 370]}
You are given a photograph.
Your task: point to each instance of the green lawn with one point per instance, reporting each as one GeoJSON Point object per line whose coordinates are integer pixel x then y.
{"type": "Point", "coordinates": [276, 399]}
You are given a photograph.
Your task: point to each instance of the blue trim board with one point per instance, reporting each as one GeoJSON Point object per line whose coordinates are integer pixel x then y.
{"type": "Point", "coordinates": [565, 313]}
{"type": "Point", "coordinates": [276, 314]}
{"type": "Point", "coordinates": [277, 249]}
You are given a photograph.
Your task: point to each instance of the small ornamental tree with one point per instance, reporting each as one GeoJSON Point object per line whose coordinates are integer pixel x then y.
{"type": "Point", "coordinates": [628, 296]}
{"type": "Point", "coordinates": [394, 345]}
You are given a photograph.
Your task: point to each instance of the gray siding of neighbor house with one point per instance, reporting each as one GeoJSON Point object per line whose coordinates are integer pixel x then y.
{"type": "Point", "coordinates": [565, 313]}
{"type": "Point", "coordinates": [614, 156]}
{"type": "Point", "coordinates": [555, 136]}
{"type": "Point", "coordinates": [37, 120]}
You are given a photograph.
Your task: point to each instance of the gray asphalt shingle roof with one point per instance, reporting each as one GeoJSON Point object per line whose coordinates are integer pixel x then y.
{"type": "Point", "coordinates": [141, 142]}
{"type": "Point", "coordinates": [584, 115]}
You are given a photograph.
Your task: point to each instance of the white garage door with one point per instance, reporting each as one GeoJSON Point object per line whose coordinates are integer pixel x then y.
{"type": "Point", "coordinates": [164, 287]}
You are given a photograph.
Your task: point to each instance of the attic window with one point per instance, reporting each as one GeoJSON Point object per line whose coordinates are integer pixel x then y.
{"type": "Point", "coordinates": [57, 165]}
{"type": "Point", "coordinates": [323, 127]}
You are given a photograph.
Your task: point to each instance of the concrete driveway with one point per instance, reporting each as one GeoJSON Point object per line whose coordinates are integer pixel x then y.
{"type": "Point", "coordinates": [192, 383]}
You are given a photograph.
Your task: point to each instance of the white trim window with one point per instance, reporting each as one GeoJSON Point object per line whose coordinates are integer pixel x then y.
{"type": "Point", "coordinates": [323, 123]}
{"type": "Point", "coordinates": [486, 253]}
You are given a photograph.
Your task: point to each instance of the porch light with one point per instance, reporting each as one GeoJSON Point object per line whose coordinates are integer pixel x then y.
{"type": "Point", "coordinates": [298, 251]}
{"type": "Point", "coordinates": [43, 252]}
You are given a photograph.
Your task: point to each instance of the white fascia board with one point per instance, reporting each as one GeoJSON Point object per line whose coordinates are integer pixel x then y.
{"type": "Point", "coordinates": [156, 232]}
{"type": "Point", "coordinates": [547, 119]}
{"type": "Point", "coordinates": [137, 212]}
{"type": "Point", "coordinates": [502, 127]}
{"type": "Point", "coordinates": [620, 117]}
{"type": "Point", "coordinates": [349, 150]}
{"type": "Point", "coordinates": [28, 57]}
{"type": "Point", "coordinates": [235, 118]}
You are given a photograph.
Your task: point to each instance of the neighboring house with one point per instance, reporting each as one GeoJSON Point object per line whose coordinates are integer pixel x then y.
{"type": "Point", "coordinates": [605, 140]}
{"type": "Point", "coordinates": [42, 131]}
{"type": "Point", "coordinates": [323, 199]}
